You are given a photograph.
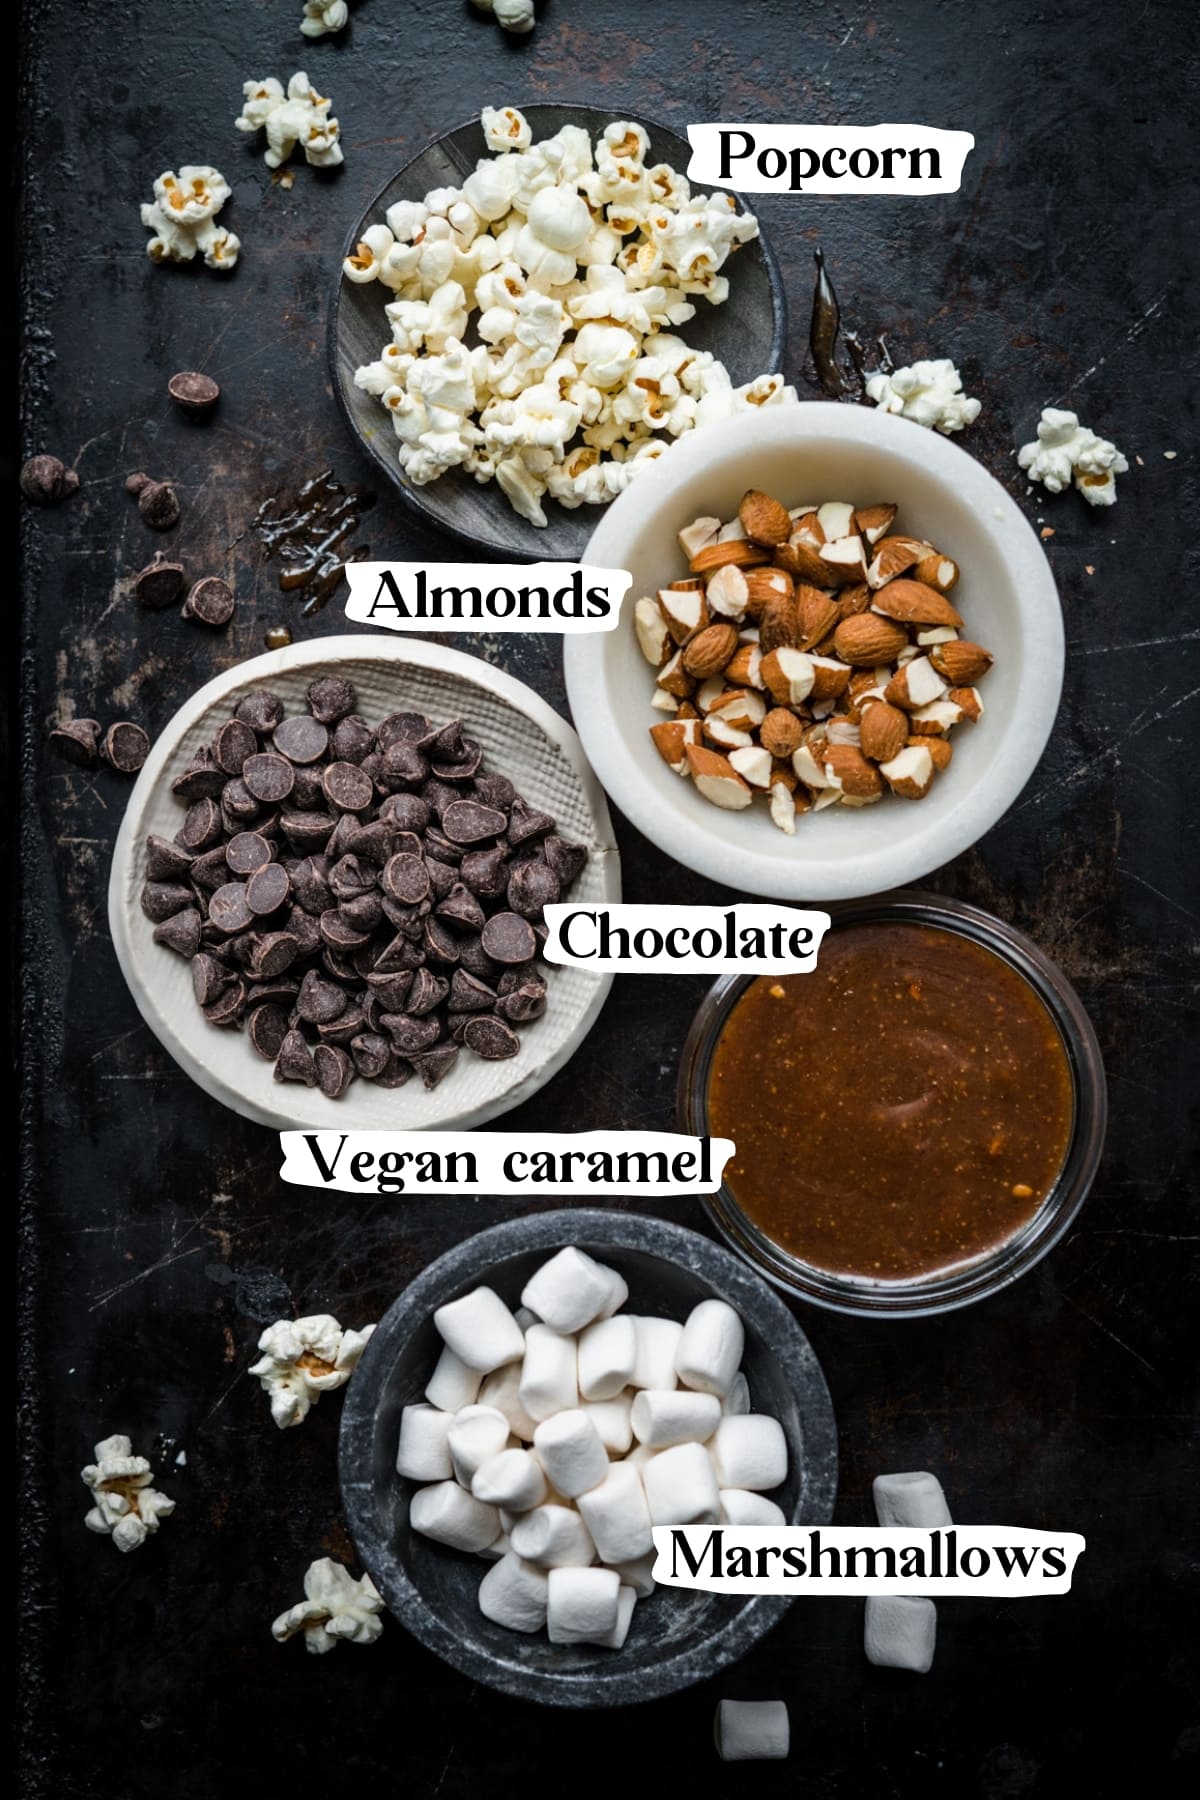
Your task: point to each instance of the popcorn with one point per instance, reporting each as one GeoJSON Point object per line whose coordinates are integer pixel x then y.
{"type": "Point", "coordinates": [182, 218]}
{"type": "Point", "coordinates": [299, 117]}
{"type": "Point", "coordinates": [574, 265]}
{"type": "Point", "coordinates": [929, 393]}
{"type": "Point", "coordinates": [126, 1508]}
{"type": "Point", "coordinates": [323, 16]}
{"type": "Point", "coordinates": [511, 15]}
{"type": "Point", "coordinates": [336, 1608]}
{"type": "Point", "coordinates": [303, 1359]}
{"type": "Point", "coordinates": [1064, 450]}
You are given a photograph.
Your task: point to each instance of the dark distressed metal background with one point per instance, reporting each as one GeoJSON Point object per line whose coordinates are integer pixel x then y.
{"type": "Point", "coordinates": [157, 1239]}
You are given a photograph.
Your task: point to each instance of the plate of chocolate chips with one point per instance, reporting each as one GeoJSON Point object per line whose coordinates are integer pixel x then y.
{"type": "Point", "coordinates": [328, 890]}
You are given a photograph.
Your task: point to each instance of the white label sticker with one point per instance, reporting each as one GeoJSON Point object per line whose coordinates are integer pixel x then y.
{"type": "Point", "coordinates": [545, 596]}
{"type": "Point", "coordinates": [901, 160]}
{"type": "Point", "coordinates": [624, 938]}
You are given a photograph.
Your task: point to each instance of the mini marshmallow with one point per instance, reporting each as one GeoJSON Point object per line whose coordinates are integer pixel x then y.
{"type": "Point", "coordinates": [571, 1452]}
{"type": "Point", "coordinates": [452, 1385]}
{"type": "Point", "coordinates": [711, 1348]}
{"type": "Point", "coordinates": [583, 1605]}
{"type": "Point", "coordinates": [501, 1547]}
{"type": "Point", "coordinates": [900, 1633]}
{"type": "Point", "coordinates": [640, 1455]}
{"type": "Point", "coordinates": [915, 1498]}
{"type": "Point", "coordinates": [514, 1594]}
{"type": "Point", "coordinates": [476, 1433]}
{"type": "Point", "coordinates": [737, 1400]}
{"type": "Point", "coordinates": [513, 1479]}
{"type": "Point", "coordinates": [548, 1380]}
{"type": "Point", "coordinates": [447, 1513]}
{"type": "Point", "coordinates": [626, 1601]}
{"type": "Point", "coordinates": [553, 1537]}
{"type": "Point", "coordinates": [424, 1452]}
{"type": "Point", "coordinates": [657, 1343]}
{"type": "Point", "coordinates": [607, 1352]}
{"type": "Point", "coordinates": [740, 1507]}
{"type": "Point", "coordinates": [480, 1330]}
{"type": "Point", "coordinates": [662, 1417]}
{"type": "Point", "coordinates": [612, 1420]}
{"type": "Point", "coordinates": [616, 1514]}
{"type": "Point", "coordinates": [572, 1289]}
{"type": "Point", "coordinates": [638, 1575]}
{"type": "Point", "coordinates": [751, 1730]}
{"type": "Point", "coordinates": [502, 1389]}
{"type": "Point", "coordinates": [681, 1487]}
{"type": "Point", "coordinates": [749, 1450]}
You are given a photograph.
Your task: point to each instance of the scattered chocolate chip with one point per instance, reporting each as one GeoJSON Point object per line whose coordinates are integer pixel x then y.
{"type": "Point", "coordinates": [159, 584]}
{"type": "Point", "coordinates": [508, 938]}
{"type": "Point", "coordinates": [295, 1062]}
{"type": "Point", "coordinates": [46, 480]}
{"type": "Point", "coordinates": [266, 1029]}
{"type": "Point", "coordinates": [427, 991]}
{"type": "Point", "coordinates": [474, 958]}
{"type": "Point", "coordinates": [491, 1038]}
{"type": "Point", "coordinates": [403, 765]}
{"type": "Point", "coordinates": [495, 790]}
{"type": "Point", "coordinates": [441, 944]}
{"type": "Point", "coordinates": [210, 601]}
{"type": "Point", "coordinates": [181, 932]}
{"type": "Point", "coordinates": [268, 889]}
{"type": "Point", "coordinates": [210, 870]}
{"type": "Point", "coordinates": [238, 803]}
{"type": "Point", "coordinates": [402, 727]}
{"type": "Point", "coordinates": [157, 501]}
{"type": "Point", "coordinates": [200, 779]}
{"type": "Point", "coordinates": [126, 747]}
{"type": "Point", "coordinates": [330, 698]}
{"type": "Point", "coordinates": [395, 1072]}
{"type": "Point", "coordinates": [526, 822]}
{"type": "Point", "coordinates": [277, 637]}
{"type": "Point", "coordinates": [196, 394]}
{"type": "Point", "coordinates": [77, 741]}
{"type": "Point", "coordinates": [247, 852]}
{"type": "Point", "coordinates": [302, 739]}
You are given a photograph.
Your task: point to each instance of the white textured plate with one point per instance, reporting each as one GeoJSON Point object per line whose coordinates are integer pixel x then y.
{"type": "Point", "coordinates": [522, 737]}
{"type": "Point", "coordinates": [821, 451]}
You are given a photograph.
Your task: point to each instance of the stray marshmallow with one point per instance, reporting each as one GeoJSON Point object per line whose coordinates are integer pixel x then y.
{"type": "Point", "coordinates": [452, 1385]}
{"type": "Point", "coordinates": [480, 1330]}
{"type": "Point", "coordinates": [583, 1605]}
{"type": "Point", "coordinates": [476, 1433]}
{"type": "Point", "coordinates": [502, 1389]}
{"type": "Point", "coordinates": [900, 1633]}
{"type": "Point", "coordinates": [710, 1348]}
{"type": "Point", "coordinates": [612, 1420]}
{"type": "Point", "coordinates": [737, 1400]}
{"type": "Point", "coordinates": [607, 1353]}
{"type": "Point", "coordinates": [914, 1499]}
{"type": "Point", "coordinates": [663, 1417]}
{"type": "Point", "coordinates": [448, 1514]}
{"type": "Point", "coordinates": [513, 1479]}
{"type": "Point", "coordinates": [571, 1452]}
{"type": "Point", "coordinates": [554, 1537]}
{"type": "Point", "coordinates": [424, 1453]}
{"type": "Point", "coordinates": [515, 1594]}
{"type": "Point", "coordinates": [751, 1730]}
{"type": "Point", "coordinates": [740, 1507]}
{"type": "Point", "coordinates": [749, 1450]}
{"type": "Point", "coordinates": [548, 1376]}
{"type": "Point", "coordinates": [572, 1289]}
{"type": "Point", "coordinates": [681, 1487]}
{"type": "Point", "coordinates": [657, 1344]}
{"type": "Point", "coordinates": [616, 1515]}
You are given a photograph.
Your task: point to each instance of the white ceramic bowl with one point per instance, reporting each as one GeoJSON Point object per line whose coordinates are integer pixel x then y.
{"type": "Point", "coordinates": [1006, 593]}
{"type": "Point", "coordinates": [521, 736]}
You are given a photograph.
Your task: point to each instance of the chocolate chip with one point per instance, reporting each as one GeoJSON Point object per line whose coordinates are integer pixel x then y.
{"type": "Point", "coordinates": [406, 879]}
{"type": "Point", "coordinates": [485, 872]}
{"type": "Point", "coordinates": [473, 957]}
{"type": "Point", "coordinates": [567, 860]}
{"type": "Point", "coordinates": [352, 739]}
{"type": "Point", "coordinates": [202, 825]}
{"type": "Point", "coordinates": [159, 584]}
{"type": "Point", "coordinates": [335, 1071]}
{"type": "Point", "coordinates": [157, 501]}
{"type": "Point", "coordinates": [268, 777]}
{"type": "Point", "coordinates": [524, 1003]}
{"type": "Point", "coordinates": [339, 964]}
{"type": "Point", "coordinates": [238, 802]}
{"type": "Point", "coordinates": [229, 910]}
{"type": "Point", "coordinates": [433, 1064]}
{"type": "Point", "coordinates": [371, 1054]}
{"type": "Point", "coordinates": [491, 1038]}
{"type": "Point", "coordinates": [526, 822]}
{"type": "Point", "coordinates": [308, 795]}
{"type": "Point", "coordinates": [351, 876]}
{"type": "Point", "coordinates": [46, 480]}
{"type": "Point", "coordinates": [210, 870]}
{"type": "Point", "coordinates": [391, 990]}
{"type": "Point", "coordinates": [209, 978]}
{"type": "Point", "coordinates": [260, 710]}
{"type": "Point", "coordinates": [266, 1028]}
{"type": "Point", "coordinates": [442, 877]}
{"type": "Point", "coordinates": [166, 861]}
{"type": "Point", "coordinates": [337, 931]}
{"type": "Point", "coordinates": [403, 765]}
{"type": "Point", "coordinates": [467, 994]}
{"type": "Point", "coordinates": [306, 830]}
{"type": "Point", "coordinates": [439, 849]}
{"type": "Point", "coordinates": [375, 841]}
{"type": "Point", "coordinates": [531, 887]}
{"type": "Point", "coordinates": [268, 889]}
{"type": "Point", "coordinates": [302, 739]}
{"type": "Point", "coordinates": [441, 944]}
{"type": "Point", "coordinates": [346, 787]}
{"type": "Point", "coordinates": [274, 952]}
{"type": "Point", "coordinates": [294, 1062]}
{"type": "Point", "coordinates": [461, 907]}
{"type": "Point", "coordinates": [427, 991]}
{"type": "Point", "coordinates": [508, 938]}
{"type": "Point", "coordinates": [319, 1000]}
{"type": "Point", "coordinates": [228, 1006]}
{"type": "Point", "coordinates": [247, 852]}
{"type": "Point", "coordinates": [408, 812]}
{"type": "Point", "coordinates": [331, 698]}
{"type": "Point", "coordinates": [467, 822]}
{"type": "Point", "coordinates": [210, 601]}
{"type": "Point", "coordinates": [162, 898]}
{"type": "Point", "coordinates": [310, 879]}
{"type": "Point", "coordinates": [201, 779]}
{"type": "Point", "coordinates": [77, 741]}
{"type": "Point", "coordinates": [495, 790]}
{"type": "Point", "coordinates": [232, 746]}
{"type": "Point", "coordinates": [195, 393]}
{"type": "Point", "coordinates": [402, 727]}
{"type": "Point", "coordinates": [181, 932]}
{"type": "Point", "coordinates": [395, 1072]}
{"type": "Point", "coordinates": [410, 1035]}
{"type": "Point", "coordinates": [305, 930]}
{"type": "Point", "coordinates": [126, 747]}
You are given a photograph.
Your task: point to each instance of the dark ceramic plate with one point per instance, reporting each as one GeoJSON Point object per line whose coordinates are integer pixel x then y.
{"type": "Point", "coordinates": [678, 1637]}
{"type": "Point", "coordinates": [747, 334]}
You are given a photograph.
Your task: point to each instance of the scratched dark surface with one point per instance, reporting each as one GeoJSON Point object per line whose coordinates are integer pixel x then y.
{"type": "Point", "coordinates": [156, 1239]}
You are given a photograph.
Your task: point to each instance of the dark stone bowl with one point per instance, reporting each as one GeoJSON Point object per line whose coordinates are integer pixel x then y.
{"type": "Point", "coordinates": [747, 333]}
{"type": "Point", "coordinates": [678, 1637]}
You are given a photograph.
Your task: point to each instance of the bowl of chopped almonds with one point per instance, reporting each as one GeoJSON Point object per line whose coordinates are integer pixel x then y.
{"type": "Point", "coordinates": [842, 656]}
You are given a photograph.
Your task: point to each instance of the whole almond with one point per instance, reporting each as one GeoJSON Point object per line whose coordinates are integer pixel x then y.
{"type": "Point", "coordinates": [777, 627]}
{"type": "Point", "coordinates": [853, 599]}
{"type": "Point", "coordinates": [764, 520]}
{"type": "Point", "coordinates": [884, 731]}
{"type": "Point", "coordinates": [915, 604]}
{"type": "Point", "coordinates": [960, 663]}
{"type": "Point", "coordinates": [736, 551]}
{"type": "Point", "coordinates": [710, 650]}
{"type": "Point", "coordinates": [865, 640]}
{"type": "Point", "coordinates": [781, 732]}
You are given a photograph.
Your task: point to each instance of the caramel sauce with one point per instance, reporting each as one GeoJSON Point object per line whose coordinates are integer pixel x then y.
{"type": "Point", "coordinates": [906, 1107]}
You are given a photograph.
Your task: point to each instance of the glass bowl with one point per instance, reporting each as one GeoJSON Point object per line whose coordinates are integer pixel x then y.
{"type": "Point", "coordinates": [962, 1283]}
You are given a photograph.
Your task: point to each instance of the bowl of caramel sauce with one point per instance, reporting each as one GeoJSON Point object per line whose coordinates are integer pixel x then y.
{"type": "Point", "coordinates": [917, 1121]}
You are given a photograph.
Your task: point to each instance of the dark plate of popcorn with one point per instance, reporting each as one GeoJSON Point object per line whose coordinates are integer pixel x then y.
{"type": "Point", "coordinates": [327, 894]}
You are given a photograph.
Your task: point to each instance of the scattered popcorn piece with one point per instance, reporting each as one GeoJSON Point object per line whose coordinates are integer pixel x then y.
{"type": "Point", "coordinates": [126, 1508]}
{"type": "Point", "coordinates": [303, 1359]}
{"type": "Point", "coordinates": [322, 17]}
{"type": "Point", "coordinates": [182, 218]}
{"type": "Point", "coordinates": [930, 393]}
{"type": "Point", "coordinates": [335, 1608]}
{"type": "Point", "coordinates": [301, 116]}
{"type": "Point", "coordinates": [1064, 450]}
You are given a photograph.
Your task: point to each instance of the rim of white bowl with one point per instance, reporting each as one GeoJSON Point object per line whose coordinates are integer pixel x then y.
{"type": "Point", "coordinates": [200, 1049]}
{"type": "Point", "coordinates": [788, 870]}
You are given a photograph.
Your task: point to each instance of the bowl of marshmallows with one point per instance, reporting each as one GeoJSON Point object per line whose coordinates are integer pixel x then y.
{"type": "Point", "coordinates": [533, 1405]}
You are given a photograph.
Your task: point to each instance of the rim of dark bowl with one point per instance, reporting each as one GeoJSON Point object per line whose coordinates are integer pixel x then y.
{"type": "Point", "coordinates": [596, 1228]}
{"type": "Point", "coordinates": [410, 495]}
